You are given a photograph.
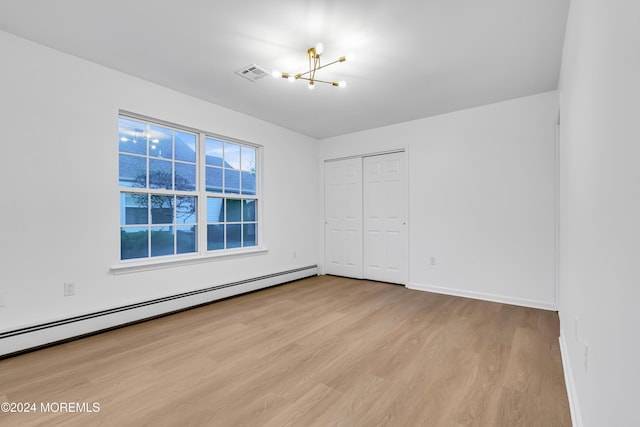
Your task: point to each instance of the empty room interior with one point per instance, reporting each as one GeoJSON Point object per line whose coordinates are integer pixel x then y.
{"type": "Point", "coordinates": [320, 213]}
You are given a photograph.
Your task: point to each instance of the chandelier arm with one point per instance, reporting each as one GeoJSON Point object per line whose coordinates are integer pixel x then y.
{"type": "Point", "coordinates": [316, 80]}
{"type": "Point", "coordinates": [299, 75]}
{"type": "Point", "coordinates": [316, 66]}
{"type": "Point", "coordinates": [330, 63]}
{"type": "Point", "coordinates": [312, 70]}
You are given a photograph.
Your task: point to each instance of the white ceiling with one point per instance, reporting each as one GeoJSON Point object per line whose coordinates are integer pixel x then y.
{"type": "Point", "coordinates": [411, 58]}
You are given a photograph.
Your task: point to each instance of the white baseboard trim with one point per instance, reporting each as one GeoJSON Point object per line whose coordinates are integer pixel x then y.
{"type": "Point", "coordinates": [574, 407]}
{"type": "Point", "coordinates": [39, 335]}
{"type": "Point", "coordinates": [544, 305]}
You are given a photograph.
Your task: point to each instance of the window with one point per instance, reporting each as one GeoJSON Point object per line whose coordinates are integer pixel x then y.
{"type": "Point", "coordinates": [164, 208]}
{"type": "Point", "coordinates": [231, 189]}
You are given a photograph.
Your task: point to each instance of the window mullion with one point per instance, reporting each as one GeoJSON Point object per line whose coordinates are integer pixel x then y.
{"type": "Point", "coordinates": [149, 221]}
{"type": "Point", "coordinates": [202, 194]}
{"type": "Point", "coordinates": [148, 158]}
{"type": "Point", "coordinates": [174, 225]}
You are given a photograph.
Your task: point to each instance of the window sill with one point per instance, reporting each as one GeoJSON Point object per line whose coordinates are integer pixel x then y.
{"type": "Point", "coordinates": [176, 261]}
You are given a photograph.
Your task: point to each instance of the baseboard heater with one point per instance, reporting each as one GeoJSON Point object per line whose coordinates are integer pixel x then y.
{"type": "Point", "coordinates": [34, 337]}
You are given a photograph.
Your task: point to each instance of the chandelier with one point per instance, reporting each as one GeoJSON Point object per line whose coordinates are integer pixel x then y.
{"type": "Point", "coordinates": [314, 54]}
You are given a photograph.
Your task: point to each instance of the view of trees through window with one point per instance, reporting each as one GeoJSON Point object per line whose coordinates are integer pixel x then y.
{"type": "Point", "coordinates": [160, 199]}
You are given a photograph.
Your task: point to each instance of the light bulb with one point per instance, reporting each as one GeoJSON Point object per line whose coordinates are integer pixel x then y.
{"type": "Point", "coordinates": [319, 49]}
{"type": "Point", "coordinates": [291, 79]}
{"type": "Point", "coordinates": [276, 74]}
{"type": "Point", "coordinates": [311, 86]}
{"type": "Point", "coordinates": [123, 139]}
{"type": "Point", "coordinates": [342, 83]}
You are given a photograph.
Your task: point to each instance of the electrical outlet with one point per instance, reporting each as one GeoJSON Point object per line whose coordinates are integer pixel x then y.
{"type": "Point", "coordinates": [586, 357]}
{"type": "Point", "coordinates": [432, 261]}
{"type": "Point", "coordinates": [69, 289]}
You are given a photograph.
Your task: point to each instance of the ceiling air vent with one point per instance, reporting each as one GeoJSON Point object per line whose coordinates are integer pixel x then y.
{"type": "Point", "coordinates": [253, 72]}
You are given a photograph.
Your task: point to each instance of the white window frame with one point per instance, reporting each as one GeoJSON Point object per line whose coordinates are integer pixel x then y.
{"type": "Point", "coordinates": [202, 254]}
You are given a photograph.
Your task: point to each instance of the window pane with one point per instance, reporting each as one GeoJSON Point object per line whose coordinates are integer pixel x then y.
{"type": "Point", "coordinates": [185, 176]}
{"type": "Point", "coordinates": [160, 142]}
{"type": "Point", "coordinates": [185, 146]}
{"type": "Point", "coordinates": [231, 181]}
{"type": "Point", "coordinates": [214, 179]}
{"type": "Point", "coordinates": [248, 210]}
{"type": "Point", "coordinates": [215, 237]}
{"type": "Point", "coordinates": [133, 171]}
{"type": "Point", "coordinates": [234, 237]}
{"type": "Point", "coordinates": [134, 242]}
{"type": "Point", "coordinates": [214, 152]}
{"type": "Point", "coordinates": [160, 175]}
{"type": "Point", "coordinates": [214, 209]}
{"type": "Point", "coordinates": [248, 183]}
{"type": "Point", "coordinates": [248, 159]}
{"type": "Point", "coordinates": [161, 241]}
{"type": "Point", "coordinates": [186, 208]}
{"type": "Point", "coordinates": [249, 235]}
{"type": "Point", "coordinates": [231, 155]}
{"type": "Point", "coordinates": [161, 209]}
{"type": "Point", "coordinates": [134, 208]}
{"type": "Point", "coordinates": [233, 210]}
{"type": "Point", "coordinates": [186, 239]}
{"type": "Point", "coordinates": [132, 136]}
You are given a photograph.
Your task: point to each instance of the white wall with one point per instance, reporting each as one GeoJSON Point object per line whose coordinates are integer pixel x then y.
{"type": "Point", "coordinates": [481, 191]}
{"type": "Point", "coordinates": [60, 200]}
{"type": "Point", "coordinates": [600, 209]}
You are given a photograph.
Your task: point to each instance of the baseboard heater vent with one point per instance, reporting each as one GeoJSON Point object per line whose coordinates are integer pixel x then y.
{"type": "Point", "coordinates": [269, 279]}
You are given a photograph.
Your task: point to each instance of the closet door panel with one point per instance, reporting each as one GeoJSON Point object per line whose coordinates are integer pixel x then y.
{"type": "Point", "coordinates": [343, 217]}
{"type": "Point", "coordinates": [385, 230]}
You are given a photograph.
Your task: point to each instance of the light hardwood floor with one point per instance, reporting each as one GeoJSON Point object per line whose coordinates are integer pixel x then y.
{"type": "Point", "coordinates": [323, 351]}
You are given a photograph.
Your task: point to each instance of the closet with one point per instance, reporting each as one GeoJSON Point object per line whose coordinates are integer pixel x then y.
{"type": "Point", "coordinates": [366, 217]}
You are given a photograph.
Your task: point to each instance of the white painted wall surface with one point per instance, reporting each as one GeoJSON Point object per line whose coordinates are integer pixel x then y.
{"type": "Point", "coordinates": [600, 210]}
{"type": "Point", "coordinates": [60, 200]}
{"type": "Point", "coordinates": [481, 197]}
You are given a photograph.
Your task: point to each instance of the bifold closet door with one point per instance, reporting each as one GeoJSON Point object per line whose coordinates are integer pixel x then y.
{"type": "Point", "coordinates": [343, 217]}
{"type": "Point", "coordinates": [385, 223]}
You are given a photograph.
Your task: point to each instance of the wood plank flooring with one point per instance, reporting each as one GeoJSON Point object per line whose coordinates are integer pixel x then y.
{"type": "Point", "coordinates": [323, 351]}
